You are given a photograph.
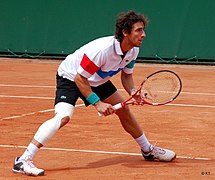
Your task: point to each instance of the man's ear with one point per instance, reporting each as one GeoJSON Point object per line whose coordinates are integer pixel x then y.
{"type": "Point", "coordinates": [124, 32]}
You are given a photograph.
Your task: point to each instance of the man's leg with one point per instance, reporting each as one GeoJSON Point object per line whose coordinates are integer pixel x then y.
{"type": "Point", "coordinates": [131, 126]}
{"type": "Point", "coordinates": [46, 131]}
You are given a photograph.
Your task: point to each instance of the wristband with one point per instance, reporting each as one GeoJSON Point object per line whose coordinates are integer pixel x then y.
{"type": "Point", "coordinates": [93, 98]}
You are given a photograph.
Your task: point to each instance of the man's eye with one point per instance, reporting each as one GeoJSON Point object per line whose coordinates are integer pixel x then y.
{"type": "Point", "coordinates": [139, 30]}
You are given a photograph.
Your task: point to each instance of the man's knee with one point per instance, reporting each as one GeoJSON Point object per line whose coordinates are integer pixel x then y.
{"type": "Point", "coordinates": [63, 114]}
{"type": "Point", "coordinates": [64, 121]}
{"type": "Point", "coordinates": [64, 111]}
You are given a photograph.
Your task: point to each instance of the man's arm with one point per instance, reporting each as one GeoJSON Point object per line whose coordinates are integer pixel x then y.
{"type": "Point", "coordinates": [85, 89]}
{"type": "Point", "coordinates": [127, 82]}
{"type": "Point", "coordinates": [83, 85]}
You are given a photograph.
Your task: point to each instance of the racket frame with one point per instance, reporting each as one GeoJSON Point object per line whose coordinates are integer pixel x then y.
{"type": "Point", "coordinates": [129, 101]}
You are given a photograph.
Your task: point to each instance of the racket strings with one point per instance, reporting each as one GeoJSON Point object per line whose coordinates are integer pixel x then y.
{"type": "Point", "coordinates": [161, 87]}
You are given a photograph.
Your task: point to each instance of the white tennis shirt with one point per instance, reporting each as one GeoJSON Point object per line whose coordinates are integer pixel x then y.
{"type": "Point", "coordinates": [98, 61]}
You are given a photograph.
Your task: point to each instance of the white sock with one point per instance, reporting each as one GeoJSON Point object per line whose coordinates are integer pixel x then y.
{"type": "Point", "coordinates": [143, 143]}
{"type": "Point", "coordinates": [30, 151]}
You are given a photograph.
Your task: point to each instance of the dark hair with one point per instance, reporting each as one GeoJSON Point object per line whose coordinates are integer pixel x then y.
{"type": "Point", "coordinates": [125, 22]}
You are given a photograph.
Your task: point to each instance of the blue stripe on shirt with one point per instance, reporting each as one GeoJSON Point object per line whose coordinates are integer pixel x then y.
{"type": "Point", "coordinates": [104, 74]}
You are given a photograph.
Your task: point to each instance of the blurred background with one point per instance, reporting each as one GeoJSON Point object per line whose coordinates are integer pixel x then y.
{"type": "Point", "coordinates": [179, 31]}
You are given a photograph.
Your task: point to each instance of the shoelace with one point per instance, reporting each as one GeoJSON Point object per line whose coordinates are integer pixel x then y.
{"type": "Point", "coordinates": [29, 161]}
{"type": "Point", "coordinates": [157, 150]}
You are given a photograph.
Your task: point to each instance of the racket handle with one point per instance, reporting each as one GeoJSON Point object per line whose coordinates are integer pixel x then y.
{"type": "Point", "coordinates": [116, 107]}
{"type": "Point", "coordinates": [99, 114]}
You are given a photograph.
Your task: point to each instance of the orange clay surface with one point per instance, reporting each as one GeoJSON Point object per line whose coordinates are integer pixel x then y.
{"type": "Point", "coordinates": [92, 148]}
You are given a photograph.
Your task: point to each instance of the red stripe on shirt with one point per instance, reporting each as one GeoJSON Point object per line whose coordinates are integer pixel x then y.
{"type": "Point", "coordinates": [88, 65]}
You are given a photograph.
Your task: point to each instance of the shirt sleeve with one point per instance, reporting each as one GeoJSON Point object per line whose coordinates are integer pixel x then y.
{"type": "Point", "coordinates": [90, 64]}
{"type": "Point", "coordinates": [129, 68]}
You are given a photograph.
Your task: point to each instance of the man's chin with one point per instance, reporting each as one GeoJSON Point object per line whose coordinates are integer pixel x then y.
{"type": "Point", "coordinates": [138, 45]}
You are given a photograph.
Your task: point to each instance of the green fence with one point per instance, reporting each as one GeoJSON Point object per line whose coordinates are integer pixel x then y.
{"type": "Point", "coordinates": [179, 31]}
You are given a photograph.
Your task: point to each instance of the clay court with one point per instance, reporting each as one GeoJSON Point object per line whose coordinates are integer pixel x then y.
{"type": "Point", "coordinates": [91, 147]}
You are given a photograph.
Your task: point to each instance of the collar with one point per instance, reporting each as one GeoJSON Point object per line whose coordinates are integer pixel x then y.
{"type": "Point", "coordinates": [117, 47]}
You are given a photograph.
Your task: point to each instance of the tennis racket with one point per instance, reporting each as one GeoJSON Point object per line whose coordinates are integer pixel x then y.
{"type": "Point", "coordinates": [159, 88]}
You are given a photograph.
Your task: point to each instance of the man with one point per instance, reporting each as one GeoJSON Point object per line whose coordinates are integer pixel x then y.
{"type": "Point", "coordinates": [86, 74]}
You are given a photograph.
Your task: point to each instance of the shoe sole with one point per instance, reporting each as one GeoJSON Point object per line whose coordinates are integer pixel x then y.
{"type": "Point", "coordinates": [22, 172]}
{"type": "Point", "coordinates": [158, 160]}
{"type": "Point", "coordinates": [170, 159]}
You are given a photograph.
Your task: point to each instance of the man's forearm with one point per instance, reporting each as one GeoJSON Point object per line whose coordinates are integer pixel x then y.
{"type": "Point", "coordinates": [83, 85]}
{"type": "Point", "coordinates": [127, 82]}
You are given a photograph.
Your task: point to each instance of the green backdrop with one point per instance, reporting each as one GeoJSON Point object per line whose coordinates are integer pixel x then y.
{"type": "Point", "coordinates": [178, 28]}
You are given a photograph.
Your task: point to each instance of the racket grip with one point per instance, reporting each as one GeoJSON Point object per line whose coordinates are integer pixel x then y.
{"type": "Point", "coordinates": [116, 107]}
{"type": "Point", "coordinates": [99, 114]}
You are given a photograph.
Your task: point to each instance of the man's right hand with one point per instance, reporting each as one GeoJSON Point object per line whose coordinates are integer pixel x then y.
{"type": "Point", "coordinates": [104, 108]}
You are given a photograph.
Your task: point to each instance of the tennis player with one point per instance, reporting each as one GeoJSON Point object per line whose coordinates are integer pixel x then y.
{"type": "Point", "coordinates": [86, 74]}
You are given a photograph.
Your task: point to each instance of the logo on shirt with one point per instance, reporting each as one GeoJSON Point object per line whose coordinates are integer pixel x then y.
{"type": "Point", "coordinates": [63, 97]}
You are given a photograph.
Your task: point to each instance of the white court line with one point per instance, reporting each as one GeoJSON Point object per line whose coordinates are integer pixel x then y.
{"type": "Point", "coordinates": [99, 152]}
{"type": "Point", "coordinates": [25, 97]}
{"type": "Point", "coordinates": [26, 86]}
{"type": "Point", "coordinates": [37, 86]}
{"type": "Point", "coordinates": [32, 113]}
{"type": "Point", "coordinates": [27, 114]}
{"type": "Point", "coordinates": [204, 94]}
{"type": "Point", "coordinates": [190, 105]}
{"type": "Point", "coordinates": [138, 64]}
{"type": "Point", "coordinates": [180, 105]}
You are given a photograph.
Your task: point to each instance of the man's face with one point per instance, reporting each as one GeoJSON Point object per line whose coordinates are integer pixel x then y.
{"type": "Point", "coordinates": [137, 35]}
